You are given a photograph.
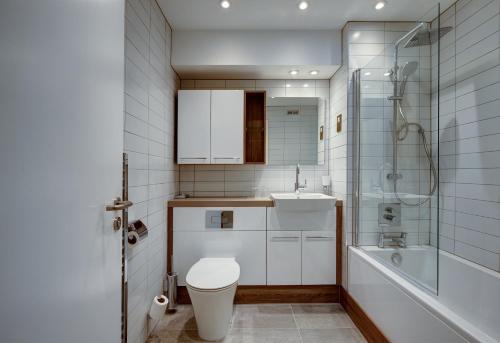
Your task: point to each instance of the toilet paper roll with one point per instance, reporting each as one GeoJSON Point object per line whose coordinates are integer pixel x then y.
{"type": "Point", "coordinates": [158, 307]}
{"type": "Point", "coordinates": [132, 238]}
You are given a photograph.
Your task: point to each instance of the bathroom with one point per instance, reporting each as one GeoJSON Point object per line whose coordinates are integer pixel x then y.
{"type": "Point", "coordinates": [250, 171]}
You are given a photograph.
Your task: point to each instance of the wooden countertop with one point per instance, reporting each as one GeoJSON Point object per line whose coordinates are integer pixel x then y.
{"type": "Point", "coordinates": [221, 202]}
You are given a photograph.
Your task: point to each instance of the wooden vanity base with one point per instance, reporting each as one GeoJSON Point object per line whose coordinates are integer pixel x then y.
{"type": "Point", "coordinates": [277, 294]}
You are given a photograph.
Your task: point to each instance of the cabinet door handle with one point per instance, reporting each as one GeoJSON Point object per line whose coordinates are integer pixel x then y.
{"type": "Point", "coordinates": [193, 158]}
{"type": "Point", "coordinates": [286, 238]}
{"type": "Point", "coordinates": [226, 158]}
{"type": "Point", "coordinates": [326, 238]}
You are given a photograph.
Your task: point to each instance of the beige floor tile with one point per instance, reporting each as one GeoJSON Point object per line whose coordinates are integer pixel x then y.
{"type": "Point", "coordinates": [321, 316]}
{"type": "Point", "coordinates": [182, 319]}
{"type": "Point", "coordinates": [273, 316]}
{"type": "Point", "coordinates": [263, 336]}
{"type": "Point", "coordinates": [344, 335]}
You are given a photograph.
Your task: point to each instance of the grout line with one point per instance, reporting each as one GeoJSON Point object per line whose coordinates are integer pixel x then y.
{"type": "Point", "coordinates": [296, 325]}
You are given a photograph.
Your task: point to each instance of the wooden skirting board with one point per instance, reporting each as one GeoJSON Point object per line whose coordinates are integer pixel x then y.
{"type": "Point", "coordinates": [367, 327]}
{"type": "Point", "coordinates": [276, 294]}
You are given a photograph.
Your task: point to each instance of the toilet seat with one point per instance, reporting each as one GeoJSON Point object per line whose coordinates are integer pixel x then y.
{"type": "Point", "coordinates": [213, 274]}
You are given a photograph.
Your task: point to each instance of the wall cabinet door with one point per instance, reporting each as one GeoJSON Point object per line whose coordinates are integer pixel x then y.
{"type": "Point", "coordinates": [227, 108]}
{"type": "Point", "coordinates": [283, 258]}
{"type": "Point", "coordinates": [318, 258]}
{"type": "Point", "coordinates": [193, 142]}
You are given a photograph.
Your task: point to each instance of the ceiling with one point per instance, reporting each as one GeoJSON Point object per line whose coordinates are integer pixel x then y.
{"type": "Point", "coordinates": [253, 72]}
{"type": "Point", "coordinates": [284, 14]}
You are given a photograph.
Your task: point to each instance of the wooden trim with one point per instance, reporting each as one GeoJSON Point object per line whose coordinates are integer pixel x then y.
{"type": "Point", "coordinates": [276, 294]}
{"type": "Point", "coordinates": [170, 237]}
{"type": "Point", "coordinates": [367, 327]}
{"type": "Point", "coordinates": [339, 240]}
{"type": "Point", "coordinates": [221, 202]}
{"type": "Point", "coordinates": [264, 109]}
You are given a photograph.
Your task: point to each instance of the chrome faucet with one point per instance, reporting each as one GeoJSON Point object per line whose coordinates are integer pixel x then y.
{"type": "Point", "coordinates": [392, 239]}
{"type": "Point", "coordinates": [298, 186]}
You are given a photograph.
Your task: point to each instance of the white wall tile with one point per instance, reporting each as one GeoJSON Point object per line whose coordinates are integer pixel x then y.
{"type": "Point", "coordinates": [149, 116]}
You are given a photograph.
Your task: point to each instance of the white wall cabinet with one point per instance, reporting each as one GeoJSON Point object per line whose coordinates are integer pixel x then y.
{"type": "Point", "coordinates": [210, 126]}
{"type": "Point", "coordinates": [227, 108]}
{"type": "Point", "coordinates": [193, 126]}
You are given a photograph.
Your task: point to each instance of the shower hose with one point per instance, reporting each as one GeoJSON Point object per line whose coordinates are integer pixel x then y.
{"type": "Point", "coordinates": [401, 134]}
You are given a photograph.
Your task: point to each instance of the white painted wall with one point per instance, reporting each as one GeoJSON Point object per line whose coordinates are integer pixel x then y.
{"type": "Point", "coordinates": [256, 47]}
{"type": "Point", "coordinates": [150, 87]}
{"type": "Point", "coordinates": [61, 139]}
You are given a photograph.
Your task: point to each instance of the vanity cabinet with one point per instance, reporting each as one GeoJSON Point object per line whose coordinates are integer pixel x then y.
{"type": "Point", "coordinates": [318, 258]}
{"type": "Point", "coordinates": [210, 127]}
{"type": "Point", "coordinates": [301, 257]}
{"type": "Point", "coordinates": [283, 258]}
{"type": "Point", "coordinates": [301, 247]}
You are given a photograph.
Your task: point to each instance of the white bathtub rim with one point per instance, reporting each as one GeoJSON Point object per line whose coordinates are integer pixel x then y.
{"type": "Point", "coordinates": [428, 302]}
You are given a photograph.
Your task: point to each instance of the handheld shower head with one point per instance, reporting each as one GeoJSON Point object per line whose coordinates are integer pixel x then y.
{"type": "Point", "coordinates": [408, 69]}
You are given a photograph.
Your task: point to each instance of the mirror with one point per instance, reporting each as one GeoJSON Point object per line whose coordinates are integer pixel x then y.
{"type": "Point", "coordinates": [296, 131]}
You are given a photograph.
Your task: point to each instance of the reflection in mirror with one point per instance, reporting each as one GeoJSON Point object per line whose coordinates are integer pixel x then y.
{"type": "Point", "coordinates": [295, 131]}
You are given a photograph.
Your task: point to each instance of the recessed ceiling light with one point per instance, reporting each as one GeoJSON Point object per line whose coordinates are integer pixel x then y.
{"type": "Point", "coordinates": [356, 35]}
{"type": "Point", "coordinates": [303, 5]}
{"type": "Point", "coordinates": [225, 4]}
{"type": "Point", "coordinates": [313, 72]}
{"type": "Point", "coordinates": [288, 85]}
{"type": "Point", "coordinates": [293, 72]}
{"type": "Point", "coordinates": [379, 5]}
{"type": "Point", "coordinates": [306, 85]}
{"type": "Point", "coordinates": [387, 73]}
{"type": "Point", "coordinates": [368, 73]}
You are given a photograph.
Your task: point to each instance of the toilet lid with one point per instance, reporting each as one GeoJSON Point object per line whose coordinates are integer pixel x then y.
{"type": "Point", "coordinates": [213, 273]}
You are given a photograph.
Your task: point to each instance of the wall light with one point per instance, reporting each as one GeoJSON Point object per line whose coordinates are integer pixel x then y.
{"type": "Point", "coordinates": [225, 4]}
{"type": "Point", "coordinates": [379, 5]}
{"type": "Point", "coordinates": [303, 5]}
{"type": "Point", "coordinates": [288, 85]}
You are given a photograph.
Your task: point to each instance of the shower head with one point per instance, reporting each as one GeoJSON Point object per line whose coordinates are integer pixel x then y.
{"type": "Point", "coordinates": [408, 69]}
{"type": "Point", "coordinates": [426, 36]}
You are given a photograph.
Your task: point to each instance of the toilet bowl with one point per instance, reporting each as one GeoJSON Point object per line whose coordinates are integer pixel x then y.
{"type": "Point", "coordinates": [211, 284]}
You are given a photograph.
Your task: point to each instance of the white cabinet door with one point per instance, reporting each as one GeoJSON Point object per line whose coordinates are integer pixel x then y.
{"type": "Point", "coordinates": [318, 258]}
{"type": "Point", "coordinates": [227, 109]}
{"type": "Point", "coordinates": [283, 258]}
{"type": "Point", "coordinates": [193, 142]}
{"type": "Point", "coordinates": [247, 247]}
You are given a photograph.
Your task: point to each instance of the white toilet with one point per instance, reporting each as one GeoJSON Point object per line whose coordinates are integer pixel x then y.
{"type": "Point", "coordinates": [211, 284]}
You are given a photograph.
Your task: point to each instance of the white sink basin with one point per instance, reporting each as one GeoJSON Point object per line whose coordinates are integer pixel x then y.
{"type": "Point", "coordinates": [303, 201]}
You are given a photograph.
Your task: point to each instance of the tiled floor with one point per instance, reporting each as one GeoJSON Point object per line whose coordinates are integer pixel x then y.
{"type": "Point", "coordinates": [270, 323]}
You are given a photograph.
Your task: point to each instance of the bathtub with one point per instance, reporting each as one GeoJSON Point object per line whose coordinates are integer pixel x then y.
{"type": "Point", "coordinates": [465, 309]}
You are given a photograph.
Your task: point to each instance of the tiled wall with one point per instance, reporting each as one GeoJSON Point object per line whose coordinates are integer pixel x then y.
{"type": "Point", "coordinates": [150, 86]}
{"type": "Point", "coordinates": [250, 180]}
{"type": "Point", "coordinates": [337, 152]}
{"type": "Point", "coordinates": [469, 136]}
